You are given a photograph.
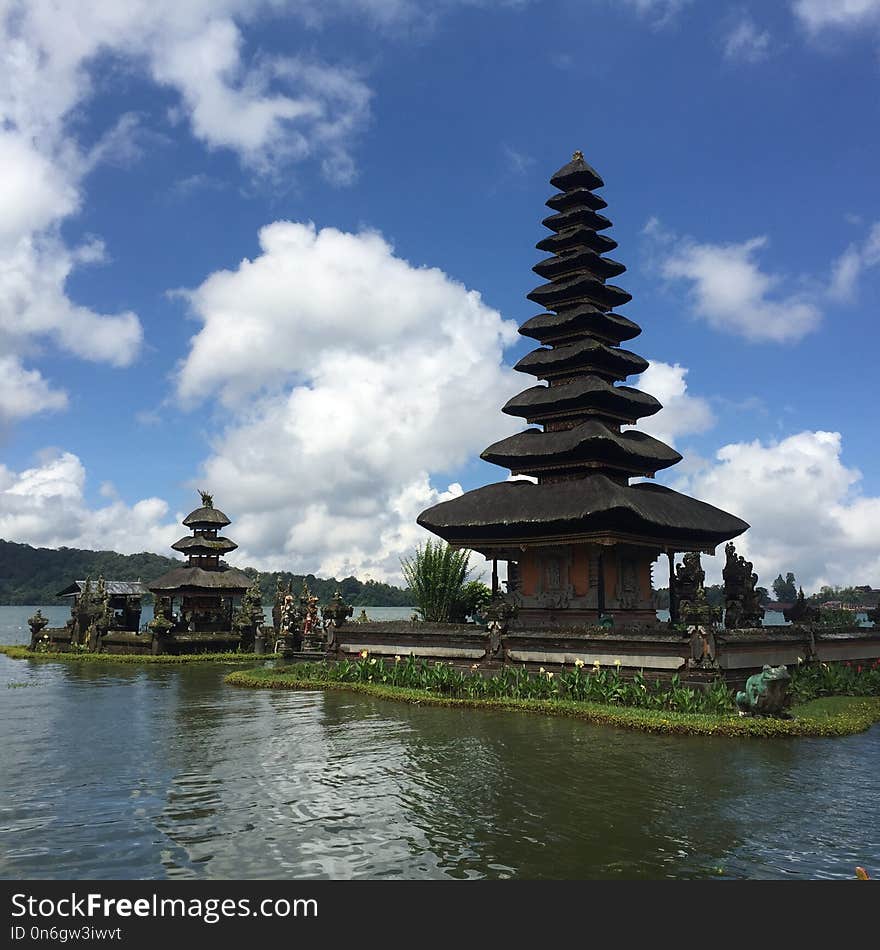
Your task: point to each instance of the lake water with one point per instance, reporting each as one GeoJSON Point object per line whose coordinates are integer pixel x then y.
{"type": "Point", "coordinates": [113, 771]}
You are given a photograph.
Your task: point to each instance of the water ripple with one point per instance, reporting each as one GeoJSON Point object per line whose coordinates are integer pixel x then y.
{"type": "Point", "coordinates": [124, 772]}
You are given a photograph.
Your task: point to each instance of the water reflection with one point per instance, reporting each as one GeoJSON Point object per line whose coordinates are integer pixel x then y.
{"type": "Point", "coordinates": [165, 772]}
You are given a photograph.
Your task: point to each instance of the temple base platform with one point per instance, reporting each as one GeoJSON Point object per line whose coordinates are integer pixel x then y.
{"type": "Point", "coordinates": [701, 656]}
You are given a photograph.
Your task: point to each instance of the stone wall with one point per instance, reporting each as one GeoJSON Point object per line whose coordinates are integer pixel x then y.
{"type": "Point", "coordinates": [732, 655]}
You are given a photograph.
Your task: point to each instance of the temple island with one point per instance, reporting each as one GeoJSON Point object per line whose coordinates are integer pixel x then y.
{"type": "Point", "coordinates": [577, 534]}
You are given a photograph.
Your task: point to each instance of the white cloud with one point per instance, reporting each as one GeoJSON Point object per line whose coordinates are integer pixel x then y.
{"type": "Point", "coordinates": [729, 289]}
{"type": "Point", "coordinates": [682, 414]}
{"type": "Point", "coordinates": [268, 110]}
{"type": "Point", "coordinates": [518, 163]}
{"type": "Point", "coordinates": [662, 11]}
{"type": "Point", "coordinates": [46, 506]}
{"type": "Point", "coordinates": [355, 375]}
{"type": "Point", "coordinates": [852, 264]}
{"type": "Point", "coordinates": [746, 42]}
{"type": "Point", "coordinates": [817, 15]}
{"type": "Point", "coordinates": [806, 512]}
{"type": "Point", "coordinates": [24, 392]}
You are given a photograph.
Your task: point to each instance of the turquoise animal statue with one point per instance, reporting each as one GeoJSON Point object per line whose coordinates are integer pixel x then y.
{"type": "Point", "coordinates": [765, 692]}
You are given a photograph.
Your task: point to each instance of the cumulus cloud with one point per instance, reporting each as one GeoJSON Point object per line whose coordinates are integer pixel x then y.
{"type": "Point", "coordinates": [682, 414]}
{"type": "Point", "coordinates": [25, 392]}
{"type": "Point", "coordinates": [804, 505]}
{"type": "Point", "coordinates": [817, 15]}
{"type": "Point", "coordinates": [268, 110]}
{"type": "Point", "coordinates": [356, 374]}
{"type": "Point", "coordinates": [746, 42]}
{"type": "Point", "coordinates": [46, 506]}
{"type": "Point", "coordinates": [730, 290]}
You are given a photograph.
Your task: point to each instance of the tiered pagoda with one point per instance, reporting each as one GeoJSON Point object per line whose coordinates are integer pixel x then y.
{"type": "Point", "coordinates": [204, 590]}
{"type": "Point", "coordinates": [580, 541]}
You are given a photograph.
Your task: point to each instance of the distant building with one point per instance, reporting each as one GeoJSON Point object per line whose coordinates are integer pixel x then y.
{"type": "Point", "coordinates": [125, 601]}
{"type": "Point", "coordinates": [200, 597]}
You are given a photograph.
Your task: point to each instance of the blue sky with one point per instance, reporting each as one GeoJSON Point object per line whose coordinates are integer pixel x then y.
{"type": "Point", "coordinates": [380, 167]}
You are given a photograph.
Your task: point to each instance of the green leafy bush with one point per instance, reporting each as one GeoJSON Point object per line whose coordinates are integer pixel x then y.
{"type": "Point", "coordinates": [579, 684]}
{"type": "Point", "coordinates": [439, 577]}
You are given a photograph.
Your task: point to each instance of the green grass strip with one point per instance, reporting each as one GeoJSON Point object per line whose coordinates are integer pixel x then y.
{"type": "Point", "coordinates": [827, 717]}
{"type": "Point", "coordinates": [23, 653]}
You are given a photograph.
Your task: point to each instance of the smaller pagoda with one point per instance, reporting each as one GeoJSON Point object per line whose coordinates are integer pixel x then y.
{"type": "Point", "coordinates": [200, 597]}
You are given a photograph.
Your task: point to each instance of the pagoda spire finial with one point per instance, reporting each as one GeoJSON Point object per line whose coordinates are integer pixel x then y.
{"type": "Point", "coordinates": [207, 499]}
{"type": "Point", "coordinates": [578, 156]}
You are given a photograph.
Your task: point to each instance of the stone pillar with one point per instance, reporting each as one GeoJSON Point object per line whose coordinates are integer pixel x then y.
{"type": "Point", "coordinates": [600, 591]}
{"type": "Point", "coordinates": [673, 597]}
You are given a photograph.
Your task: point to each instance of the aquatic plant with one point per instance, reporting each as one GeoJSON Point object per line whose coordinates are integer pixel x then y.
{"type": "Point", "coordinates": [577, 683]}
{"type": "Point", "coordinates": [851, 678]}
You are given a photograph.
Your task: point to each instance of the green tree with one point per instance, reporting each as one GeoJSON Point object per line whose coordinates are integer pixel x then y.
{"type": "Point", "coordinates": [785, 590]}
{"type": "Point", "coordinates": [475, 597]}
{"type": "Point", "coordinates": [438, 576]}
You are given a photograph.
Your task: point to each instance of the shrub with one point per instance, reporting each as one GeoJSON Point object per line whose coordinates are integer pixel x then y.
{"type": "Point", "coordinates": [438, 576]}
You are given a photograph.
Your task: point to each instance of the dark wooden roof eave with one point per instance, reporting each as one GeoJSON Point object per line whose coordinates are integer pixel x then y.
{"type": "Point", "coordinates": [197, 579]}
{"type": "Point", "coordinates": [580, 510]}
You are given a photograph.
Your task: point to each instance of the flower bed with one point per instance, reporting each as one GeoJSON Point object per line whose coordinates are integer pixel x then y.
{"type": "Point", "coordinates": [595, 694]}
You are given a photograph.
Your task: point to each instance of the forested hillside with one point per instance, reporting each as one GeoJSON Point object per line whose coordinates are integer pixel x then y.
{"type": "Point", "coordinates": [35, 575]}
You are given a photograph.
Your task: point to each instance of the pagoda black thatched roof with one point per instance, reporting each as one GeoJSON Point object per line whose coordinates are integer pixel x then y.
{"type": "Point", "coordinates": [206, 518]}
{"type": "Point", "coordinates": [588, 393]}
{"type": "Point", "coordinates": [582, 459]}
{"type": "Point", "coordinates": [576, 321]}
{"type": "Point", "coordinates": [589, 445]}
{"type": "Point", "coordinates": [195, 578]}
{"type": "Point", "coordinates": [577, 174]}
{"type": "Point", "coordinates": [584, 508]}
{"type": "Point", "coordinates": [193, 544]}
{"type": "Point", "coordinates": [586, 355]}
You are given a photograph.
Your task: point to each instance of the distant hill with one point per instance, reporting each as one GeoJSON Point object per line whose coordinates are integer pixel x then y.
{"type": "Point", "coordinates": [31, 575]}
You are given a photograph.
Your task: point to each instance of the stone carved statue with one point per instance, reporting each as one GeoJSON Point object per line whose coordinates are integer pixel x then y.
{"type": "Point", "coordinates": [765, 692]}
{"type": "Point", "coordinates": [698, 611]}
{"type": "Point", "coordinates": [742, 606]}
{"type": "Point", "coordinates": [288, 627]}
{"type": "Point", "coordinates": [334, 615]}
{"type": "Point", "coordinates": [801, 611]}
{"type": "Point", "coordinates": [38, 624]}
{"type": "Point", "coordinates": [703, 648]}
{"type": "Point", "coordinates": [91, 615]}
{"type": "Point", "coordinates": [500, 610]}
{"type": "Point", "coordinates": [337, 611]}
{"type": "Point", "coordinates": [309, 620]}
{"type": "Point", "coordinates": [693, 608]}
{"type": "Point", "coordinates": [249, 615]}
{"type": "Point", "coordinates": [280, 593]}
{"type": "Point", "coordinates": [628, 596]}
{"type": "Point", "coordinates": [689, 577]}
